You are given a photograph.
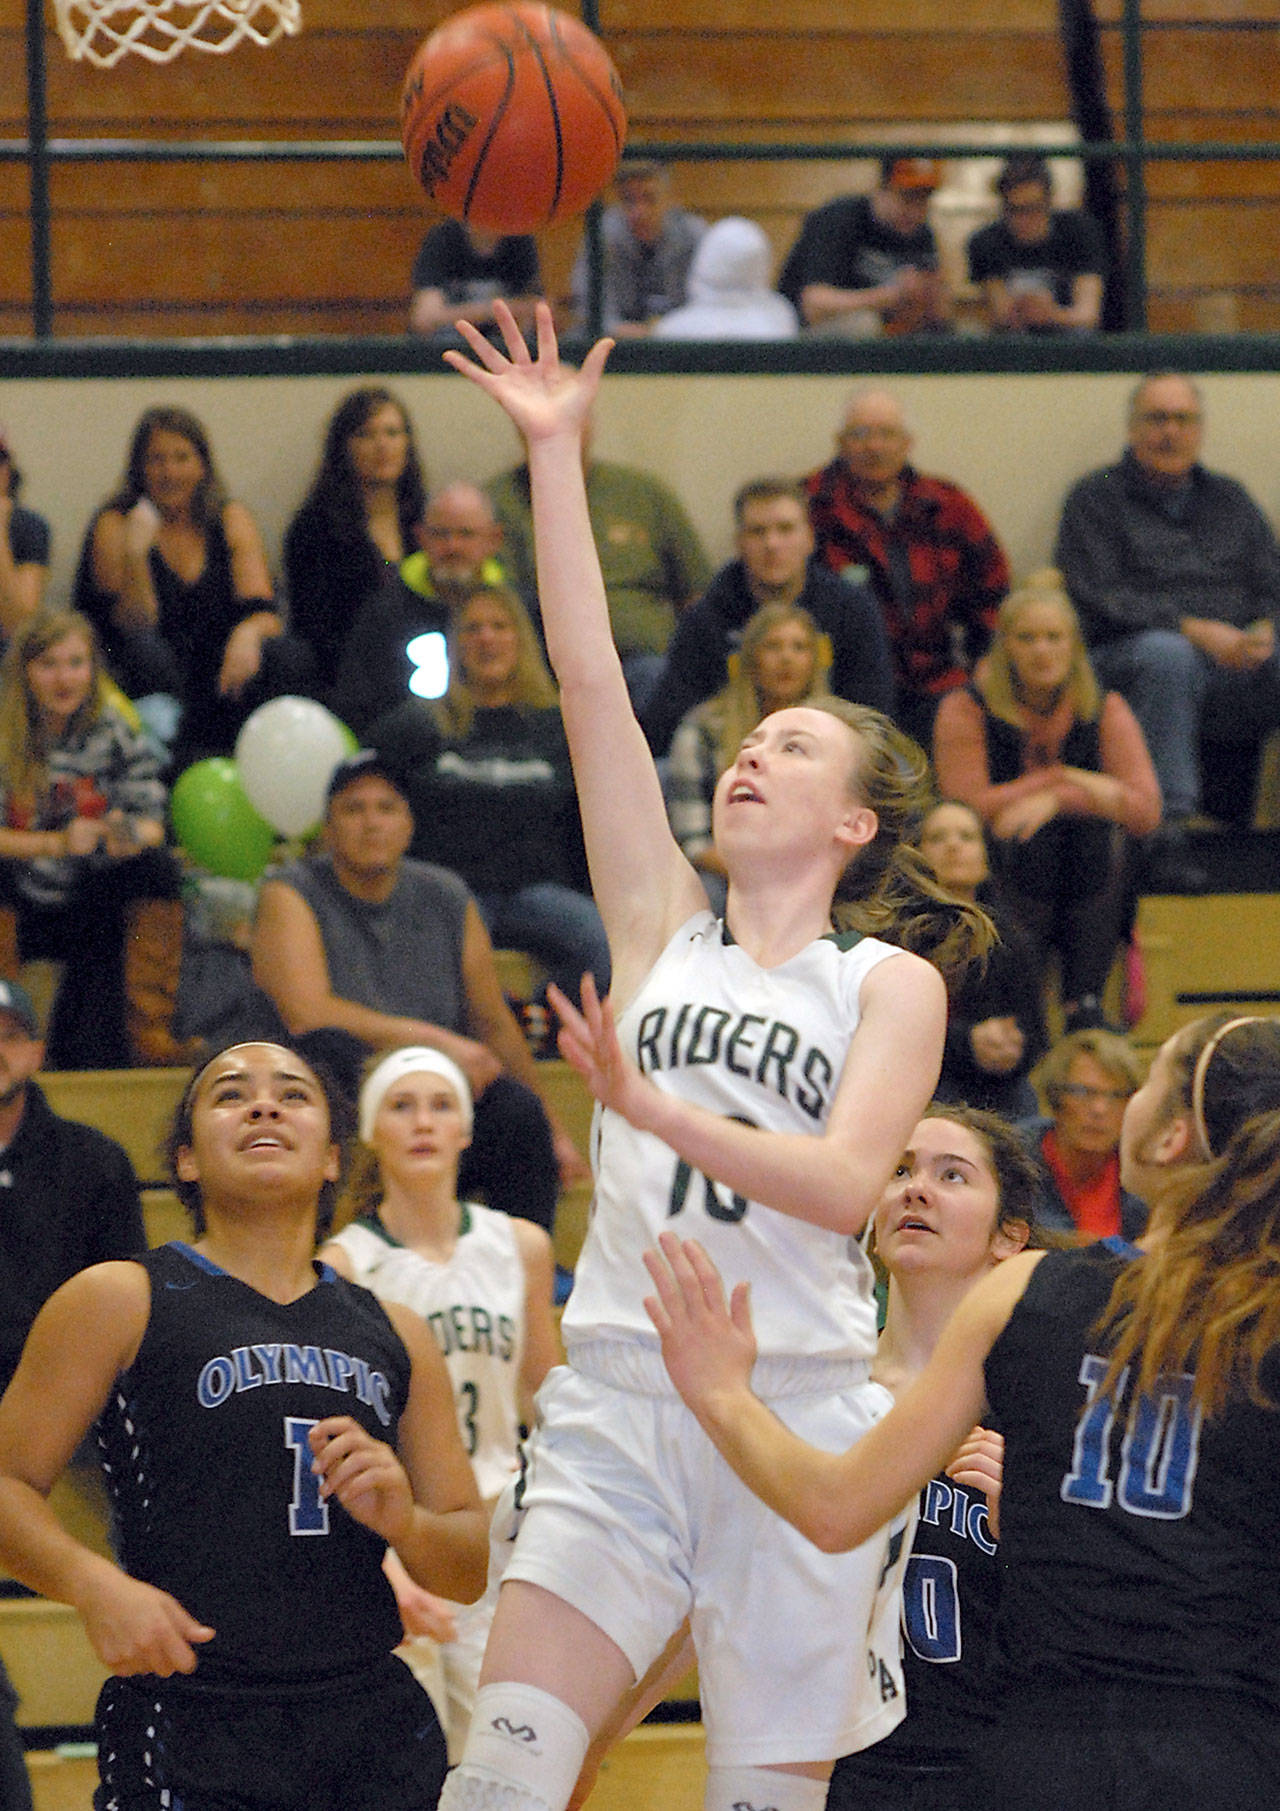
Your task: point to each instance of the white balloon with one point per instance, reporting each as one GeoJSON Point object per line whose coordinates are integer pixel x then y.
{"type": "Point", "coordinates": [286, 753]}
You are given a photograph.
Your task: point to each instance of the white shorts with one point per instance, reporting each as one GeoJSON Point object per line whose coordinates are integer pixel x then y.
{"type": "Point", "coordinates": [631, 1516]}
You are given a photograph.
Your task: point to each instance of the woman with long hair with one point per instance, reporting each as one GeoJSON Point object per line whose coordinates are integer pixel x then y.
{"type": "Point", "coordinates": [481, 1280]}
{"type": "Point", "coordinates": [1061, 777]}
{"type": "Point", "coordinates": [173, 575]}
{"type": "Point", "coordinates": [358, 521]}
{"type": "Point", "coordinates": [759, 1074]}
{"type": "Point", "coordinates": [493, 791]}
{"type": "Point", "coordinates": [267, 1431]}
{"type": "Point", "coordinates": [1138, 1391]}
{"type": "Point", "coordinates": [85, 878]}
{"type": "Point", "coordinates": [961, 1200]}
{"type": "Point", "coordinates": [784, 659]}
{"type": "Point", "coordinates": [995, 1019]}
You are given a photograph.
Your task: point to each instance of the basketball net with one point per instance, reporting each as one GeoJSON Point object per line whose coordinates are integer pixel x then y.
{"type": "Point", "coordinates": [103, 31]}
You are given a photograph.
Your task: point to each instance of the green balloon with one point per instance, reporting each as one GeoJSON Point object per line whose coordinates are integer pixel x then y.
{"type": "Point", "coordinates": [216, 824]}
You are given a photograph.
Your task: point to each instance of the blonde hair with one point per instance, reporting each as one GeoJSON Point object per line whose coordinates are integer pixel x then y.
{"type": "Point", "coordinates": [533, 685]}
{"type": "Point", "coordinates": [999, 684]}
{"type": "Point", "coordinates": [735, 710]}
{"type": "Point", "coordinates": [24, 748]}
{"type": "Point", "coordinates": [1206, 1298]}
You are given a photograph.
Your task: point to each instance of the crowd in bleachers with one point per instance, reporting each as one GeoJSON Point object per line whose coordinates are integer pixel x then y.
{"type": "Point", "coordinates": [862, 265]}
{"type": "Point", "coordinates": [1059, 710]}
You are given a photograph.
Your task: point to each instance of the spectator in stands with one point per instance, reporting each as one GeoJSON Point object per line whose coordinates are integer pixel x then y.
{"type": "Point", "coordinates": [922, 544]}
{"type": "Point", "coordinates": [775, 564]}
{"type": "Point", "coordinates": [1060, 775]}
{"type": "Point", "coordinates": [647, 244]}
{"type": "Point", "coordinates": [653, 562]}
{"type": "Point", "coordinates": [174, 578]}
{"type": "Point", "coordinates": [68, 1194]}
{"type": "Point", "coordinates": [729, 293]}
{"type": "Point", "coordinates": [68, 1198]}
{"type": "Point", "coordinates": [460, 271]}
{"type": "Point", "coordinates": [783, 660]}
{"type": "Point", "coordinates": [995, 1018]}
{"type": "Point", "coordinates": [1041, 269]}
{"type": "Point", "coordinates": [361, 949]}
{"type": "Point", "coordinates": [1176, 574]}
{"type": "Point", "coordinates": [1085, 1081]}
{"type": "Point", "coordinates": [24, 550]}
{"type": "Point", "coordinates": [396, 647]}
{"type": "Point", "coordinates": [359, 520]}
{"type": "Point", "coordinates": [868, 264]}
{"type": "Point", "coordinates": [492, 790]}
{"type": "Point", "coordinates": [85, 878]}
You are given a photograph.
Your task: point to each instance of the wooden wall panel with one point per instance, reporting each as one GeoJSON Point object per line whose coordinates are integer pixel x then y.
{"type": "Point", "coordinates": [317, 247]}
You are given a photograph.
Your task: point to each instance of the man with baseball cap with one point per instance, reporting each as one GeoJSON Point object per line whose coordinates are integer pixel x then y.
{"type": "Point", "coordinates": [868, 264]}
{"type": "Point", "coordinates": [362, 949]}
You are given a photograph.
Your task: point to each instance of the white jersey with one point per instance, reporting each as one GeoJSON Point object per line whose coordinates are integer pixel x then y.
{"type": "Point", "coordinates": [474, 1305]}
{"type": "Point", "coordinates": [765, 1046]}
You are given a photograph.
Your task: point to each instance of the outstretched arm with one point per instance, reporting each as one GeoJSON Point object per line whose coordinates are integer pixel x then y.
{"type": "Point", "coordinates": [644, 887]}
{"type": "Point", "coordinates": [837, 1500]}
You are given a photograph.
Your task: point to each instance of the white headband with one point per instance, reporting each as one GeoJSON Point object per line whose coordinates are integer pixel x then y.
{"type": "Point", "coordinates": [415, 1060]}
{"type": "Point", "coordinates": [1202, 1071]}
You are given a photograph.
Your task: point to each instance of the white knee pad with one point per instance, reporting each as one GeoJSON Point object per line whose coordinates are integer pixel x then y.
{"type": "Point", "coordinates": [760, 1789]}
{"type": "Point", "coordinates": [524, 1752]}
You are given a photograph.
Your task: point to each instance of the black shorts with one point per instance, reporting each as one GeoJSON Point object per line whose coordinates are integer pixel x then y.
{"type": "Point", "coordinates": [1124, 1749]}
{"type": "Point", "coordinates": [869, 1782]}
{"type": "Point", "coordinates": [368, 1741]}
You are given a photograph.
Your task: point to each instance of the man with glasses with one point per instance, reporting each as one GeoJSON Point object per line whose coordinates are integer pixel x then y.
{"type": "Point", "coordinates": [1040, 269]}
{"type": "Point", "coordinates": [1175, 572]}
{"type": "Point", "coordinates": [1085, 1080]}
{"type": "Point", "coordinates": [921, 543]}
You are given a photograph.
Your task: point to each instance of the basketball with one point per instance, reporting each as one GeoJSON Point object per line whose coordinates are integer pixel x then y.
{"type": "Point", "coordinates": [512, 116]}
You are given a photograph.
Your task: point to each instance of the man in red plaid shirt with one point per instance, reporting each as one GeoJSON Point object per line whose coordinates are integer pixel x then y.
{"type": "Point", "coordinates": [922, 544]}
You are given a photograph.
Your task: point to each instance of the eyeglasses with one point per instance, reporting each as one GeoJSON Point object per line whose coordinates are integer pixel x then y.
{"type": "Point", "coordinates": [1168, 418]}
{"type": "Point", "coordinates": [1080, 1091]}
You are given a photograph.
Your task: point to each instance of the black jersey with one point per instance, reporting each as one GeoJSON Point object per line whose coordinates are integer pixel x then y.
{"type": "Point", "coordinates": [949, 1591]}
{"type": "Point", "coordinates": [204, 1442]}
{"type": "Point", "coordinates": [1137, 1539]}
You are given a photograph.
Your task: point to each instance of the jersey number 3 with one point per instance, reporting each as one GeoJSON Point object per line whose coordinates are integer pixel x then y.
{"type": "Point", "coordinates": [1158, 1455]}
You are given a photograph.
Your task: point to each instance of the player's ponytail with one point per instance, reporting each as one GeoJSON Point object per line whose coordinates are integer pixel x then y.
{"type": "Point", "coordinates": [1206, 1298]}
{"type": "Point", "coordinates": [888, 889]}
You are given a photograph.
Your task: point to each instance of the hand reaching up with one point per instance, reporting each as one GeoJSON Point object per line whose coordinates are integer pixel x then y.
{"type": "Point", "coordinates": [543, 397]}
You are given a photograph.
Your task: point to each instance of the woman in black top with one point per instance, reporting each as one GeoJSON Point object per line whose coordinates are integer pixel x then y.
{"type": "Point", "coordinates": [174, 578]}
{"type": "Point", "coordinates": [1137, 1388]}
{"type": "Point", "coordinates": [358, 521]}
{"type": "Point", "coordinates": [268, 1429]}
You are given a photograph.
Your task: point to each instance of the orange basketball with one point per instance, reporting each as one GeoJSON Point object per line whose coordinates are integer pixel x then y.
{"type": "Point", "coordinates": [512, 116]}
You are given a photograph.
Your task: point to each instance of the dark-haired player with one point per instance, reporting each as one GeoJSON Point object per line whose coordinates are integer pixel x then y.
{"type": "Point", "coordinates": [267, 1430]}
{"type": "Point", "coordinates": [1138, 1390]}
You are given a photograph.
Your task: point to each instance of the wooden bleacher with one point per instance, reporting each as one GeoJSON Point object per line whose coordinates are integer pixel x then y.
{"type": "Point", "coordinates": [204, 248]}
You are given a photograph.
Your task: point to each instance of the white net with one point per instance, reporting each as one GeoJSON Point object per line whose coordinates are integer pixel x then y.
{"type": "Point", "coordinates": [103, 31]}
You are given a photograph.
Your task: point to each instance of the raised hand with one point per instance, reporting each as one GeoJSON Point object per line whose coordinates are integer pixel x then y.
{"type": "Point", "coordinates": [543, 397]}
{"type": "Point", "coordinates": [708, 1344]}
